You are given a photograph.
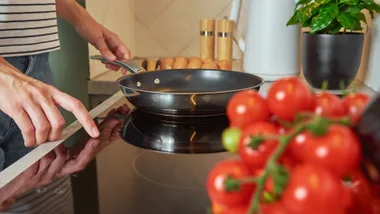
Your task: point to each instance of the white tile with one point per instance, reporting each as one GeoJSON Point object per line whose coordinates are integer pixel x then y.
{"type": "Point", "coordinates": [179, 23]}
{"type": "Point", "coordinates": [148, 10]}
{"type": "Point", "coordinates": [97, 8]}
{"type": "Point", "coordinates": [146, 44]}
{"type": "Point", "coordinates": [193, 49]}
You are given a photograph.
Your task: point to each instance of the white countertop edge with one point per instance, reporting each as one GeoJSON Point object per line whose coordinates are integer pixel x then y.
{"type": "Point", "coordinates": [10, 173]}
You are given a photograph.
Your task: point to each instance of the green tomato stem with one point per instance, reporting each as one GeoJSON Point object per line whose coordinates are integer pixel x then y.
{"type": "Point", "coordinates": [284, 141]}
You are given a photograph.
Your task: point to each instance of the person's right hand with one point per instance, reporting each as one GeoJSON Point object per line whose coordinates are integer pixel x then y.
{"type": "Point", "coordinates": [33, 106]}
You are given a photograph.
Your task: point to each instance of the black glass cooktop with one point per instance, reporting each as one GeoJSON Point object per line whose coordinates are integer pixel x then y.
{"type": "Point", "coordinates": [141, 164]}
{"type": "Point", "coordinates": [174, 135]}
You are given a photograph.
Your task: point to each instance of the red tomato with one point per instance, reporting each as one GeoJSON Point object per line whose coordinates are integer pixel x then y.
{"type": "Point", "coordinates": [246, 107]}
{"type": "Point", "coordinates": [313, 190]}
{"type": "Point", "coordinates": [328, 105]}
{"type": "Point", "coordinates": [354, 103]}
{"type": "Point", "coordinates": [216, 188]}
{"type": "Point", "coordinates": [256, 158]}
{"type": "Point", "coordinates": [274, 208]}
{"type": "Point", "coordinates": [297, 146]}
{"type": "Point", "coordinates": [289, 96]}
{"type": "Point", "coordinates": [362, 193]}
{"type": "Point", "coordinates": [287, 161]}
{"type": "Point", "coordinates": [375, 206]}
{"type": "Point", "coordinates": [338, 150]}
{"type": "Point", "coordinates": [220, 209]}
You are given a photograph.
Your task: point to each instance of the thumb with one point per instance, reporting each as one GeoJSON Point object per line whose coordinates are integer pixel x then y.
{"type": "Point", "coordinates": [103, 48]}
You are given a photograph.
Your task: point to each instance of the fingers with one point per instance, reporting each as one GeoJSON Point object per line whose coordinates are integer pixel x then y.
{"type": "Point", "coordinates": [79, 163]}
{"type": "Point", "coordinates": [113, 67]}
{"type": "Point", "coordinates": [61, 156]}
{"type": "Point", "coordinates": [41, 124]}
{"type": "Point", "coordinates": [57, 122]}
{"type": "Point", "coordinates": [25, 124]}
{"type": "Point", "coordinates": [103, 48]}
{"type": "Point", "coordinates": [116, 45]}
{"type": "Point", "coordinates": [80, 112]}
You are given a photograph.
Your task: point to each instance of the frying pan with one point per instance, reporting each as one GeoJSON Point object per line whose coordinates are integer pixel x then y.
{"type": "Point", "coordinates": [182, 92]}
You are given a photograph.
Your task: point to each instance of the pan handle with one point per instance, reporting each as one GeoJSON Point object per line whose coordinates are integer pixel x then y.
{"type": "Point", "coordinates": [128, 64]}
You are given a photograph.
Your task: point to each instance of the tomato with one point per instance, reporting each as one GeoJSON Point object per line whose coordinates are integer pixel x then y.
{"type": "Point", "coordinates": [246, 107]}
{"type": "Point", "coordinates": [362, 193]}
{"type": "Point", "coordinates": [274, 208]}
{"type": "Point", "coordinates": [297, 146]}
{"type": "Point", "coordinates": [231, 138]}
{"type": "Point", "coordinates": [375, 190]}
{"type": "Point", "coordinates": [257, 157]}
{"type": "Point", "coordinates": [289, 96]}
{"type": "Point", "coordinates": [375, 206]}
{"type": "Point", "coordinates": [287, 161]}
{"type": "Point", "coordinates": [338, 150]}
{"type": "Point", "coordinates": [220, 209]}
{"type": "Point", "coordinates": [313, 190]}
{"type": "Point", "coordinates": [216, 188]}
{"type": "Point", "coordinates": [328, 105]}
{"type": "Point", "coordinates": [354, 103]}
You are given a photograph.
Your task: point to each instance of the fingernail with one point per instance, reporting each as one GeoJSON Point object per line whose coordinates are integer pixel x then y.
{"type": "Point", "coordinates": [95, 132]}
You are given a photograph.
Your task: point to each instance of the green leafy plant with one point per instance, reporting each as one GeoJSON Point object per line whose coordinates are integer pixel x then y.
{"type": "Point", "coordinates": [330, 16]}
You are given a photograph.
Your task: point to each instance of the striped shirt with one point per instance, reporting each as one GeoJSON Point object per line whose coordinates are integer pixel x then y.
{"type": "Point", "coordinates": [28, 27]}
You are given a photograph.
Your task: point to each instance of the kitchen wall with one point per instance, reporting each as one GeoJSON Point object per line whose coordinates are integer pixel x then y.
{"type": "Point", "coordinates": [171, 27]}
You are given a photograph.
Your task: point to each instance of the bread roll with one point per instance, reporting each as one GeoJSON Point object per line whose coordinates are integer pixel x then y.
{"type": "Point", "coordinates": [195, 63]}
{"type": "Point", "coordinates": [209, 65]}
{"type": "Point", "coordinates": [192, 58]}
{"type": "Point", "coordinates": [180, 62]}
{"type": "Point", "coordinates": [151, 64]}
{"type": "Point", "coordinates": [208, 60]}
{"type": "Point", "coordinates": [224, 65]}
{"type": "Point", "coordinates": [167, 64]}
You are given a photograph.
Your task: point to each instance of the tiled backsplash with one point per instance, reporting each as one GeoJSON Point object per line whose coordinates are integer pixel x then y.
{"type": "Point", "coordinates": [171, 27]}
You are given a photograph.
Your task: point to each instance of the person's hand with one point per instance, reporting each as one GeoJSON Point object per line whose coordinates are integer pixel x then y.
{"type": "Point", "coordinates": [107, 42]}
{"type": "Point", "coordinates": [33, 106]}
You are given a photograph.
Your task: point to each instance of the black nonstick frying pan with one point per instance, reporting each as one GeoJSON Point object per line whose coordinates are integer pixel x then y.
{"type": "Point", "coordinates": [182, 92]}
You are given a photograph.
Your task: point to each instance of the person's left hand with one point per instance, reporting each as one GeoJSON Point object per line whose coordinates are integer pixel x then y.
{"type": "Point", "coordinates": [107, 42]}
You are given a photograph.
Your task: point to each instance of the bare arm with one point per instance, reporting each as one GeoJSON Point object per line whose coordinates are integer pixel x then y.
{"type": "Point", "coordinates": [107, 42]}
{"type": "Point", "coordinates": [70, 11]}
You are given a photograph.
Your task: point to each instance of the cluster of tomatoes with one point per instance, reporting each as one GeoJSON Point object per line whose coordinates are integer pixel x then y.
{"type": "Point", "coordinates": [322, 171]}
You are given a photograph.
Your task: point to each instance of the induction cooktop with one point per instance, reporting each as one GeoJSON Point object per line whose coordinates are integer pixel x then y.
{"type": "Point", "coordinates": [174, 135]}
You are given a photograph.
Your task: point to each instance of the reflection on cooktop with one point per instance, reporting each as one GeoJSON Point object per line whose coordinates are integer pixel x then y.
{"type": "Point", "coordinates": [174, 135]}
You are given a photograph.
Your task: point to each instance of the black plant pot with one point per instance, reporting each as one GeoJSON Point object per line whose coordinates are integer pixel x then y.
{"type": "Point", "coordinates": [332, 58]}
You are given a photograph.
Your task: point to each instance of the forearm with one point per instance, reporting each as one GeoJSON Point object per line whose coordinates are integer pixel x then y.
{"type": "Point", "coordinates": [70, 11]}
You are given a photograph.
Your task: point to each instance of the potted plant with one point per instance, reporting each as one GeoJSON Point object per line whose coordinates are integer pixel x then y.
{"type": "Point", "coordinates": [332, 49]}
